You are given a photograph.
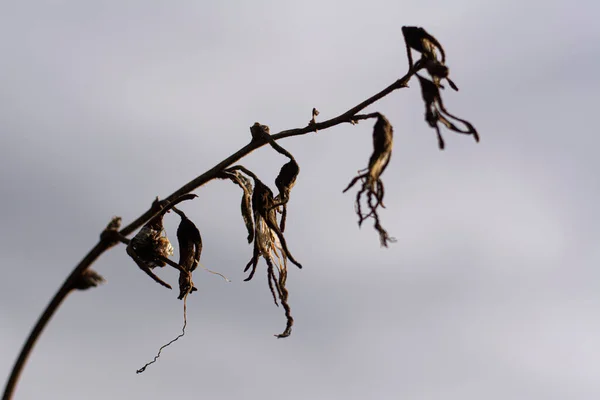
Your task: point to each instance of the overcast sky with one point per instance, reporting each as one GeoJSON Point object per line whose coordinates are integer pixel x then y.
{"type": "Point", "coordinates": [492, 290]}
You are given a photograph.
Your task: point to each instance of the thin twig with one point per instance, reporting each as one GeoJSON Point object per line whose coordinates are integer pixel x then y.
{"type": "Point", "coordinates": [106, 242]}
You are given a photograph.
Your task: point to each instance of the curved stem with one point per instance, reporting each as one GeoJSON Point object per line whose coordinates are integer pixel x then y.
{"type": "Point", "coordinates": [51, 308]}
{"type": "Point", "coordinates": [106, 243]}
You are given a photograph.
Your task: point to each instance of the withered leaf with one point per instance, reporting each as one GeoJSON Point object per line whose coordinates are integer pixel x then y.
{"type": "Point", "coordinates": [263, 205]}
{"type": "Point", "coordinates": [147, 247]}
{"type": "Point", "coordinates": [372, 185]}
{"type": "Point", "coordinates": [418, 39]}
{"type": "Point", "coordinates": [383, 138]}
{"type": "Point", "coordinates": [269, 241]}
{"type": "Point", "coordinates": [285, 181]}
{"type": "Point", "coordinates": [190, 243]}
{"type": "Point", "coordinates": [435, 112]}
{"type": "Point", "coordinates": [150, 247]}
{"type": "Point", "coordinates": [246, 204]}
{"type": "Point", "coordinates": [190, 249]}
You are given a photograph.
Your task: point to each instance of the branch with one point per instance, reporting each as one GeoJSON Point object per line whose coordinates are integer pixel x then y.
{"type": "Point", "coordinates": [110, 236]}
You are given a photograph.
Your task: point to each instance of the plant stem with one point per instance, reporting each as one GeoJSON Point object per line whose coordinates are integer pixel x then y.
{"type": "Point", "coordinates": [105, 243]}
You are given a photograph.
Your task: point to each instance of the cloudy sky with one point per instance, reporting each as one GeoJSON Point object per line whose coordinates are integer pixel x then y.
{"type": "Point", "coordinates": [491, 291]}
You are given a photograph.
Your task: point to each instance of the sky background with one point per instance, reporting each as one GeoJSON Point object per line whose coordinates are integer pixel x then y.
{"type": "Point", "coordinates": [491, 291]}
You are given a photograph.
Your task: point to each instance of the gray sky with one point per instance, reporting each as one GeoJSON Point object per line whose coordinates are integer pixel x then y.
{"type": "Point", "coordinates": [490, 292]}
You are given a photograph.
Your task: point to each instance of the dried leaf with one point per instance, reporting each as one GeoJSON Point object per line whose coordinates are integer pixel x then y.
{"type": "Point", "coordinates": [285, 181]}
{"type": "Point", "coordinates": [264, 205]}
{"type": "Point", "coordinates": [246, 204]}
{"type": "Point", "coordinates": [150, 246]}
{"type": "Point", "coordinates": [435, 112]}
{"type": "Point", "coordinates": [190, 249]}
{"type": "Point", "coordinates": [372, 185]}
{"type": "Point", "coordinates": [418, 39]}
{"type": "Point", "coordinates": [269, 241]}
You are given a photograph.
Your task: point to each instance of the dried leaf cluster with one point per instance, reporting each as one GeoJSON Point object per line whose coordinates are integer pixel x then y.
{"type": "Point", "coordinates": [260, 209]}
{"type": "Point", "coordinates": [418, 39]}
{"type": "Point", "coordinates": [372, 185]}
{"type": "Point", "coordinates": [264, 214]}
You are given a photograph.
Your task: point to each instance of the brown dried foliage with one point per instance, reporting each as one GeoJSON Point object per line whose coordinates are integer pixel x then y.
{"type": "Point", "coordinates": [418, 39]}
{"type": "Point", "coordinates": [190, 249]}
{"type": "Point", "coordinates": [150, 248]}
{"type": "Point", "coordinates": [285, 181]}
{"type": "Point", "coordinates": [372, 185]}
{"type": "Point", "coordinates": [436, 113]}
{"type": "Point", "coordinates": [246, 205]}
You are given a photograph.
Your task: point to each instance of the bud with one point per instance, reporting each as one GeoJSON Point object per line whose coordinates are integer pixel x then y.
{"type": "Point", "coordinates": [88, 279]}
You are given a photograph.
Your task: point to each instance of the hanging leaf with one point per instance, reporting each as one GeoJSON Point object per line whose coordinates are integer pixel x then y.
{"type": "Point", "coordinates": [435, 112]}
{"type": "Point", "coordinates": [190, 249]}
{"type": "Point", "coordinates": [372, 185]}
{"type": "Point", "coordinates": [246, 204]}
{"type": "Point", "coordinates": [285, 181]}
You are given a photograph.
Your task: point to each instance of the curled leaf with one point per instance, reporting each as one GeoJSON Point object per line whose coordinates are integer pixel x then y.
{"type": "Point", "coordinates": [150, 246]}
{"type": "Point", "coordinates": [246, 204]}
{"type": "Point", "coordinates": [418, 39]}
{"type": "Point", "coordinates": [264, 205]}
{"type": "Point", "coordinates": [372, 185]}
{"type": "Point", "coordinates": [246, 207]}
{"type": "Point", "coordinates": [269, 241]}
{"type": "Point", "coordinates": [285, 181]}
{"type": "Point", "coordinates": [190, 249]}
{"type": "Point", "coordinates": [435, 112]}
{"type": "Point", "coordinates": [147, 248]}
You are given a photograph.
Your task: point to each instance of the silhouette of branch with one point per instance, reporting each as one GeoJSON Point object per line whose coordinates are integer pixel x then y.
{"type": "Point", "coordinates": [113, 235]}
